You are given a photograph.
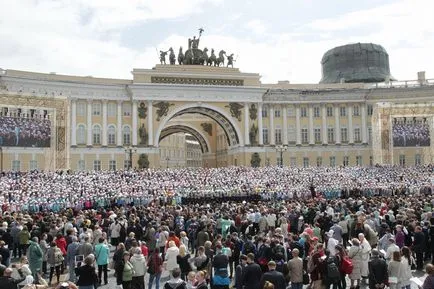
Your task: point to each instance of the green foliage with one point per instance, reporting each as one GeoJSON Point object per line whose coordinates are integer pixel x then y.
{"type": "Point", "coordinates": [143, 161]}
{"type": "Point", "coordinates": [256, 160]}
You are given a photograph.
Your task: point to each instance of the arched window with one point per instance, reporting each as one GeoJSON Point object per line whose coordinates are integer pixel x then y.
{"type": "Point", "coordinates": [126, 133]}
{"type": "Point", "coordinates": [81, 134]}
{"type": "Point", "coordinates": [111, 135]}
{"type": "Point", "coordinates": [96, 135]}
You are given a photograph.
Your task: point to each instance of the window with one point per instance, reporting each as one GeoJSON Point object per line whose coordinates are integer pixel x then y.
{"type": "Point", "coordinates": [96, 135]}
{"type": "Point", "coordinates": [96, 165]}
{"type": "Point", "coordinates": [329, 111]}
{"type": "Point", "coordinates": [402, 160]}
{"type": "Point", "coordinates": [291, 134]}
{"type": "Point", "coordinates": [81, 166]}
{"type": "Point", "coordinates": [265, 135]}
{"type": "Point", "coordinates": [316, 111]}
{"type": "Point", "coordinates": [290, 111]}
{"type": "Point", "coordinates": [356, 110]}
{"type": "Point", "coordinates": [344, 134]}
{"type": "Point", "coordinates": [264, 112]}
{"type": "Point", "coordinates": [343, 111]}
{"type": "Point", "coordinates": [305, 162]}
{"type": "Point", "coordinates": [359, 161]}
{"type": "Point", "coordinates": [317, 135]}
{"type": "Point", "coordinates": [332, 161]}
{"type": "Point", "coordinates": [111, 135]}
{"type": "Point", "coordinates": [293, 161]}
{"type": "Point", "coordinates": [278, 136]}
{"type": "Point", "coordinates": [33, 166]}
{"type": "Point", "coordinates": [111, 109]}
{"type": "Point", "coordinates": [126, 135]}
{"type": "Point", "coordinates": [357, 137]}
{"type": "Point", "coordinates": [277, 113]}
{"type": "Point", "coordinates": [304, 136]}
{"type": "Point", "coordinates": [81, 108]}
{"type": "Point", "coordinates": [112, 165]}
{"type": "Point", "coordinates": [370, 109]}
{"type": "Point", "coordinates": [371, 161]}
{"type": "Point", "coordinates": [127, 164]}
{"type": "Point", "coordinates": [96, 108]}
{"type": "Point", "coordinates": [319, 161]}
{"type": "Point", "coordinates": [279, 161]}
{"type": "Point", "coordinates": [81, 134]}
{"type": "Point", "coordinates": [346, 161]}
{"type": "Point", "coordinates": [417, 160]}
{"type": "Point", "coordinates": [303, 111]}
{"type": "Point", "coordinates": [16, 166]}
{"type": "Point", "coordinates": [330, 135]}
{"type": "Point", "coordinates": [369, 134]}
{"type": "Point", "coordinates": [126, 109]}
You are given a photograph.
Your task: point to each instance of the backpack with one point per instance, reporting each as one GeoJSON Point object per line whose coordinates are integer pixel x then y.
{"type": "Point", "coordinates": [123, 230]}
{"type": "Point", "coordinates": [248, 248]}
{"type": "Point", "coordinates": [332, 269]}
{"type": "Point", "coordinates": [346, 265]}
{"type": "Point", "coordinates": [58, 257]}
{"type": "Point", "coordinates": [279, 252]}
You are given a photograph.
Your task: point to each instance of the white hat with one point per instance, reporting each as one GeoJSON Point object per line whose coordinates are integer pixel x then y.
{"type": "Point", "coordinates": [330, 233]}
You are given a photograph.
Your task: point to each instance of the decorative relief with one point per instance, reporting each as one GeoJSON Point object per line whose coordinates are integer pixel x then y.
{"type": "Point", "coordinates": [196, 81]}
{"type": "Point", "coordinates": [252, 135]}
{"type": "Point", "coordinates": [235, 109]}
{"type": "Point", "coordinates": [253, 111]}
{"type": "Point", "coordinates": [163, 109]}
{"type": "Point", "coordinates": [142, 110]}
{"type": "Point", "coordinates": [207, 127]}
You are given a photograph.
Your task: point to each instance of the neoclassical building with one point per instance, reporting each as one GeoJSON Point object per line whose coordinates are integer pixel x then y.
{"type": "Point", "coordinates": [226, 114]}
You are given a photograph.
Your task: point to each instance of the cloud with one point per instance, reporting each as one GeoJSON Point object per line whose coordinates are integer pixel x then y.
{"type": "Point", "coordinates": [256, 26]}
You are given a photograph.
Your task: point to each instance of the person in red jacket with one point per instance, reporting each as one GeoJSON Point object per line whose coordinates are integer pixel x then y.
{"type": "Point", "coordinates": [61, 244]}
{"type": "Point", "coordinates": [174, 238]}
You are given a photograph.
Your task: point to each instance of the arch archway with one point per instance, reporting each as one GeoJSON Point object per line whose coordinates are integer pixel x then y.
{"type": "Point", "coordinates": [231, 129]}
{"type": "Point", "coordinates": [171, 129]}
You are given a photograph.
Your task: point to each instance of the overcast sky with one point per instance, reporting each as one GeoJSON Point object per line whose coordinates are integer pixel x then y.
{"type": "Point", "coordinates": [280, 39]}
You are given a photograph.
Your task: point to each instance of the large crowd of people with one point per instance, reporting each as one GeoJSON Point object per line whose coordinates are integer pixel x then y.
{"type": "Point", "coordinates": [25, 132]}
{"type": "Point", "coordinates": [246, 228]}
{"type": "Point", "coordinates": [411, 132]}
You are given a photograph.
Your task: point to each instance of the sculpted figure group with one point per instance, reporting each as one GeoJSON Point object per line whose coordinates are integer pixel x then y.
{"type": "Point", "coordinates": [195, 56]}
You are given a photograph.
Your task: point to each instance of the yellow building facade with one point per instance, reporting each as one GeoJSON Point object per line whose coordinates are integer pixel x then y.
{"type": "Point", "coordinates": [95, 122]}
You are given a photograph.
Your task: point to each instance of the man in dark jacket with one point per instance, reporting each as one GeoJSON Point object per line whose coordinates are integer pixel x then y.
{"type": "Point", "coordinates": [274, 277]}
{"type": "Point", "coordinates": [5, 253]}
{"type": "Point", "coordinates": [220, 267]}
{"type": "Point", "coordinates": [419, 247]}
{"type": "Point", "coordinates": [6, 281]}
{"type": "Point", "coordinates": [252, 273]}
{"type": "Point", "coordinates": [378, 275]}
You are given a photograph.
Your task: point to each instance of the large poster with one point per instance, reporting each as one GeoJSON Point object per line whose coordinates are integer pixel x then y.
{"type": "Point", "coordinates": [411, 132]}
{"type": "Point", "coordinates": [25, 132]}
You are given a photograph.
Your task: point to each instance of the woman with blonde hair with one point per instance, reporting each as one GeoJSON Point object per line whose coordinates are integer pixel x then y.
{"type": "Point", "coordinates": [201, 280]}
{"type": "Point", "coordinates": [171, 256]}
{"type": "Point", "coordinates": [183, 261]}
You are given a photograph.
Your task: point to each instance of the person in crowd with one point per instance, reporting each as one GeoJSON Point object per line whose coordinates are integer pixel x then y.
{"type": "Point", "coordinates": [273, 276]}
{"type": "Point", "coordinates": [365, 253]}
{"type": "Point", "coordinates": [295, 267]}
{"type": "Point", "coordinates": [139, 265]}
{"type": "Point", "coordinates": [220, 277]}
{"type": "Point", "coordinates": [124, 271]}
{"type": "Point", "coordinates": [6, 280]}
{"type": "Point", "coordinates": [35, 258]}
{"type": "Point", "coordinates": [171, 256]}
{"type": "Point", "coordinates": [54, 260]}
{"type": "Point", "coordinates": [429, 280]}
{"type": "Point", "coordinates": [391, 248]}
{"type": "Point", "coordinates": [86, 248]}
{"type": "Point", "coordinates": [394, 270]}
{"type": "Point", "coordinates": [183, 260]}
{"type": "Point", "coordinates": [355, 254]}
{"type": "Point", "coordinates": [87, 278]}
{"type": "Point", "coordinates": [102, 254]}
{"type": "Point", "coordinates": [419, 247]}
{"type": "Point", "coordinates": [201, 280]}
{"type": "Point", "coordinates": [4, 253]}
{"type": "Point", "coordinates": [44, 247]}
{"type": "Point", "coordinates": [252, 273]}
{"type": "Point", "coordinates": [155, 268]}
{"type": "Point", "coordinates": [406, 263]}
{"type": "Point", "coordinates": [378, 271]}
{"type": "Point", "coordinates": [71, 253]}
{"type": "Point", "coordinates": [239, 272]}
{"type": "Point", "coordinates": [175, 281]}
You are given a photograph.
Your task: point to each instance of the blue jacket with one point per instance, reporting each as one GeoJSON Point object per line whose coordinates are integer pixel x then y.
{"type": "Point", "coordinates": [102, 254]}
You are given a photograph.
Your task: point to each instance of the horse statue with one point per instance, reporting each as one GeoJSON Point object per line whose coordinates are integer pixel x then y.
{"type": "Point", "coordinates": [212, 59]}
{"type": "Point", "coordinates": [181, 56]}
{"type": "Point", "coordinates": [172, 56]}
{"type": "Point", "coordinates": [221, 58]}
{"type": "Point", "coordinates": [188, 60]}
{"type": "Point", "coordinates": [204, 57]}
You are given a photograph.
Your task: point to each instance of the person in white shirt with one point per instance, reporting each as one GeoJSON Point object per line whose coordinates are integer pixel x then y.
{"type": "Point", "coordinates": [331, 243]}
{"type": "Point", "coordinates": [391, 248]}
{"type": "Point", "coordinates": [365, 252]}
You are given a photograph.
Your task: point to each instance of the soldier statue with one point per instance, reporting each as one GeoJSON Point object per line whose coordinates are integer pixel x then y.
{"type": "Point", "coordinates": [163, 56]}
{"type": "Point", "coordinates": [230, 60]}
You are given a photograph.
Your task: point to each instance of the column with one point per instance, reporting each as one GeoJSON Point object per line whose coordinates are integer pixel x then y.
{"type": "Point", "coordinates": [311, 134]}
{"type": "Point", "coordinates": [134, 125]}
{"type": "Point", "coordinates": [350, 124]}
{"type": "Point", "coordinates": [364, 129]}
{"type": "Point", "coordinates": [337, 125]}
{"type": "Point", "coordinates": [246, 125]}
{"type": "Point", "coordinates": [260, 127]}
{"type": "Point", "coordinates": [119, 125]}
{"type": "Point", "coordinates": [272, 132]}
{"type": "Point", "coordinates": [73, 122]}
{"type": "Point", "coordinates": [104, 123]}
{"type": "Point", "coordinates": [324, 124]}
{"type": "Point", "coordinates": [89, 123]}
{"type": "Point", "coordinates": [297, 125]}
{"type": "Point", "coordinates": [285, 124]}
{"type": "Point", "coordinates": [150, 124]}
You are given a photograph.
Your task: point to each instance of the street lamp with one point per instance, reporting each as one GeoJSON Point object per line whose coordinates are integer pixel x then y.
{"type": "Point", "coordinates": [167, 162]}
{"type": "Point", "coordinates": [129, 150]}
{"type": "Point", "coordinates": [280, 149]}
{"type": "Point", "coordinates": [1, 160]}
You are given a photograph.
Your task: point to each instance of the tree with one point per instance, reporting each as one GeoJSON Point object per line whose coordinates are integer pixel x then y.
{"type": "Point", "coordinates": [256, 160]}
{"type": "Point", "coordinates": [143, 161]}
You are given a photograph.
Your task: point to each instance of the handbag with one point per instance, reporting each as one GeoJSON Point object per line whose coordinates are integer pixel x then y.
{"type": "Point", "coordinates": [393, 280]}
{"type": "Point", "coordinates": [306, 279]}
